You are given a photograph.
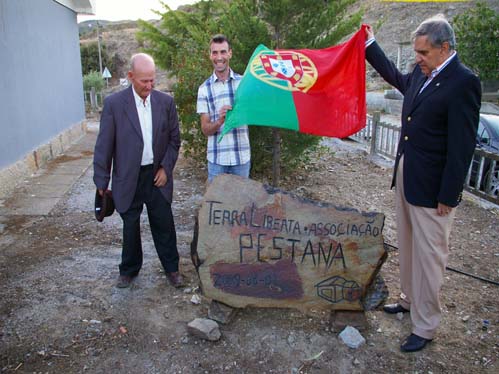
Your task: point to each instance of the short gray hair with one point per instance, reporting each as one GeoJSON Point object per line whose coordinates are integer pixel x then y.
{"type": "Point", "coordinates": [438, 30]}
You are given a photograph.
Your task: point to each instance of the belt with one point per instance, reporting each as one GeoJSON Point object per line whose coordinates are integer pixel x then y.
{"type": "Point", "coordinates": [146, 167]}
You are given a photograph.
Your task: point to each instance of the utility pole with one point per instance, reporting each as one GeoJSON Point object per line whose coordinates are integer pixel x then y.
{"type": "Point", "coordinates": [98, 46]}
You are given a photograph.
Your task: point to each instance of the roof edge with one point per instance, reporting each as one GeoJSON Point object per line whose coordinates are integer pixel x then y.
{"type": "Point", "coordinates": [79, 6]}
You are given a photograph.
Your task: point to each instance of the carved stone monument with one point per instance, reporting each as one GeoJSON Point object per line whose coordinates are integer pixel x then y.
{"type": "Point", "coordinates": [256, 246]}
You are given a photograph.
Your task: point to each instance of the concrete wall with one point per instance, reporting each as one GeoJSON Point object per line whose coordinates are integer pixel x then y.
{"type": "Point", "coordinates": [41, 89]}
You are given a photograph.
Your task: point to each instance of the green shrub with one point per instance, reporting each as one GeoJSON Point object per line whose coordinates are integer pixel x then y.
{"type": "Point", "coordinates": [93, 79]}
{"type": "Point", "coordinates": [89, 53]}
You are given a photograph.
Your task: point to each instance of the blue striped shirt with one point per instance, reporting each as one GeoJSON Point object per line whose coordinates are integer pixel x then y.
{"type": "Point", "coordinates": [234, 148]}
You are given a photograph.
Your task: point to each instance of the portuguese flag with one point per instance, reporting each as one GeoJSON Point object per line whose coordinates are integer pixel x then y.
{"type": "Point", "coordinates": [320, 92]}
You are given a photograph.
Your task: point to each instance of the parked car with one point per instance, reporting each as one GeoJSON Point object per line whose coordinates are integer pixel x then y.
{"type": "Point", "coordinates": [489, 108]}
{"type": "Point", "coordinates": [487, 139]}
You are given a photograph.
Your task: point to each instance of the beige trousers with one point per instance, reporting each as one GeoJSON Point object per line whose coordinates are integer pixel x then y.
{"type": "Point", "coordinates": [423, 241]}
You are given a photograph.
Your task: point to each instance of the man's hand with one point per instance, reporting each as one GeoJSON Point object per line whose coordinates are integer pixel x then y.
{"type": "Point", "coordinates": [101, 192]}
{"type": "Point", "coordinates": [210, 128]}
{"type": "Point", "coordinates": [443, 210]}
{"type": "Point", "coordinates": [369, 32]}
{"type": "Point", "coordinates": [160, 178]}
{"type": "Point", "coordinates": [223, 112]}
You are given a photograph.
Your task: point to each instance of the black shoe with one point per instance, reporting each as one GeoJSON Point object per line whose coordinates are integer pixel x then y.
{"type": "Point", "coordinates": [175, 279]}
{"type": "Point", "coordinates": [394, 309]}
{"type": "Point", "coordinates": [414, 343]}
{"type": "Point", "coordinates": [124, 281]}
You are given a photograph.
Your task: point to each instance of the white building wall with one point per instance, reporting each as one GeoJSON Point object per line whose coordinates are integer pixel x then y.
{"type": "Point", "coordinates": [41, 88]}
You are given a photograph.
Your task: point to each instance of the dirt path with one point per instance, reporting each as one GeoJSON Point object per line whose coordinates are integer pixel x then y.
{"type": "Point", "coordinates": [60, 311]}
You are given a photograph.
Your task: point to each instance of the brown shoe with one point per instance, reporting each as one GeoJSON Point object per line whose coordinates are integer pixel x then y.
{"type": "Point", "coordinates": [124, 281]}
{"type": "Point", "coordinates": [175, 279]}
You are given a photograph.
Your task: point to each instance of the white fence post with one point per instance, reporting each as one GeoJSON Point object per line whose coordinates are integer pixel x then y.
{"type": "Point", "coordinates": [374, 130]}
{"type": "Point", "coordinates": [93, 99]}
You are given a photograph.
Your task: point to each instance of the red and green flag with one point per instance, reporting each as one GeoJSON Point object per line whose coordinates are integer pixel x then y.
{"type": "Point", "coordinates": [320, 92]}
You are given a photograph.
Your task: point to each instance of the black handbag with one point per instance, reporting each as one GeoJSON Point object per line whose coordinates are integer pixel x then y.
{"type": "Point", "coordinates": [104, 205]}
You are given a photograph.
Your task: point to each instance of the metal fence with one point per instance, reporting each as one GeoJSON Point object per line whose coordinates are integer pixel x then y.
{"type": "Point", "coordinates": [382, 138]}
{"type": "Point", "coordinates": [483, 175]}
{"type": "Point", "coordinates": [94, 99]}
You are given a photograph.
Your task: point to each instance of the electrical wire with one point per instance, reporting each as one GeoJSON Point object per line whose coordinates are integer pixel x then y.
{"type": "Point", "coordinates": [392, 248]}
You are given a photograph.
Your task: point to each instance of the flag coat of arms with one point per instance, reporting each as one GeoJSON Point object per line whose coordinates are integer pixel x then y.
{"type": "Point", "coordinates": [320, 92]}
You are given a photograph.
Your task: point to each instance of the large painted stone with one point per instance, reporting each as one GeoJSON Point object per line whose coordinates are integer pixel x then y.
{"type": "Point", "coordinates": [257, 246]}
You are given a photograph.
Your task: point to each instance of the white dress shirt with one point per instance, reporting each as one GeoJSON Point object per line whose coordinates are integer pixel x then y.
{"type": "Point", "coordinates": [145, 119]}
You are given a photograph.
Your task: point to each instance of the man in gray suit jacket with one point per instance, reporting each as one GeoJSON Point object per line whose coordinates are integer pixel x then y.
{"type": "Point", "coordinates": [139, 140]}
{"type": "Point", "coordinates": [439, 124]}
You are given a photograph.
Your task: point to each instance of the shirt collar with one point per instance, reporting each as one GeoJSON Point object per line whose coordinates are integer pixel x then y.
{"type": "Point", "coordinates": [442, 66]}
{"type": "Point", "coordinates": [139, 101]}
{"type": "Point", "coordinates": [215, 78]}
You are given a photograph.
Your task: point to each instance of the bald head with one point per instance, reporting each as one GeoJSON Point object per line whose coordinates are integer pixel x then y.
{"type": "Point", "coordinates": [139, 60]}
{"type": "Point", "coordinates": [142, 74]}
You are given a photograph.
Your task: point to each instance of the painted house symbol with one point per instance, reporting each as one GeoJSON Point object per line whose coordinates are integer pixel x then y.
{"type": "Point", "coordinates": [337, 289]}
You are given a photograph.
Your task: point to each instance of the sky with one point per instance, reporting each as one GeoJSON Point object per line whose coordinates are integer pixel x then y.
{"type": "Point", "coordinates": [119, 10]}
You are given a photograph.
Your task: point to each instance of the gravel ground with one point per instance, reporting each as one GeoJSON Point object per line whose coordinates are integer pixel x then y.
{"type": "Point", "coordinates": [61, 313]}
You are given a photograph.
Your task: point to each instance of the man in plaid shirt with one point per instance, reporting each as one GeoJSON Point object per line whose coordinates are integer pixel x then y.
{"type": "Point", "coordinates": [215, 98]}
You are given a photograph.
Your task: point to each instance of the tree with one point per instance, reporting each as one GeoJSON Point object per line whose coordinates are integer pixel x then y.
{"type": "Point", "coordinates": [90, 57]}
{"type": "Point", "coordinates": [180, 45]}
{"type": "Point", "coordinates": [477, 35]}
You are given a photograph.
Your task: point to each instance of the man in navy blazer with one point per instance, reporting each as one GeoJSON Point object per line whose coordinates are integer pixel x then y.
{"type": "Point", "coordinates": [139, 141]}
{"type": "Point", "coordinates": [439, 122]}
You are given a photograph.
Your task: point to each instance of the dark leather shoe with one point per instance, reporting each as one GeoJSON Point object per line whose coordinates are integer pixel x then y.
{"type": "Point", "coordinates": [124, 281]}
{"type": "Point", "coordinates": [414, 343]}
{"type": "Point", "coordinates": [175, 279]}
{"type": "Point", "coordinates": [394, 309]}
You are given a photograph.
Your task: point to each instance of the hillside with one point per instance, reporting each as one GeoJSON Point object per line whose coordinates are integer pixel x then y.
{"type": "Point", "coordinates": [393, 23]}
